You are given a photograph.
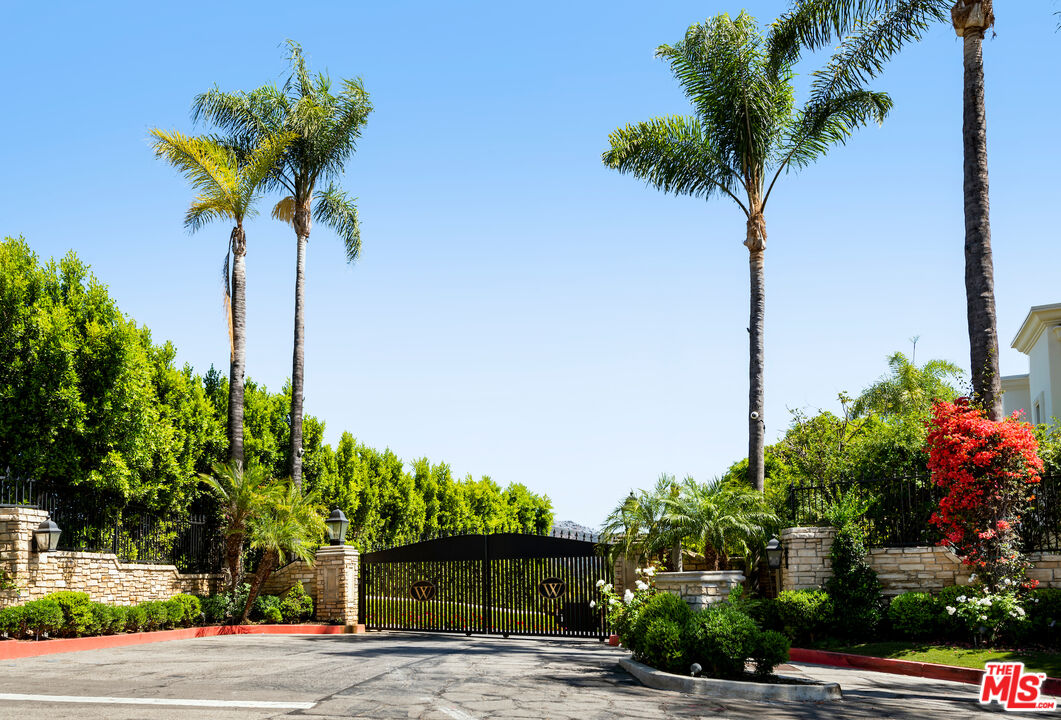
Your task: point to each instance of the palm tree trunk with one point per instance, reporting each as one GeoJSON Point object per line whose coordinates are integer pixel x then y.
{"type": "Point", "coordinates": [265, 568]}
{"type": "Point", "coordinates": [237, 366]}
{"type": "Point", "coordinates": [234, 559]}
{"type": "Point", "coordinates": [756, 242]}
{"type": "Point", "coordinates": [676, 556]}
{"type": "Point", "coordinates": [302, 224]}
{"type": "Point", "coordinates": [971, 20]}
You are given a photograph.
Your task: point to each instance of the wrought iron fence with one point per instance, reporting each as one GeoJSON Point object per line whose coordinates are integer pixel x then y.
{"type": "Point", "coordinates": [901, 507]}
{"type": "Point", "coordinates": [91, 524]}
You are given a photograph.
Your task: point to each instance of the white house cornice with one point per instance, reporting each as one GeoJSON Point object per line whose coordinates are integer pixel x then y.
{"type": "Point", "coordinates": [1039, 319]}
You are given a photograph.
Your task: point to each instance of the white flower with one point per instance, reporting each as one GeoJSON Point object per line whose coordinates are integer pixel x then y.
{"type": "Point", "coordinates": [592, 604]}
{"type": "Point", "coordinates": [607, 587]}
{"type": "Point", "coordinates": [600, 583]}
{"type": "Point", "coordinates": [650, 571]}
{"type": "Point", "coordinates": [612, 601]}
{"type": "Point", "coordinates": [986, 601]}
{"type": "Point", "coordinates": [1020, 610]}
{"type": "Point", "coordinates": [972, 577]}
{"type": "Point", "coordinates": [951, 610]}
{"type": "Point", "coordinates": [1007, 581]}
{"type": "Point", "coordinates": [640, 585]}
{"type": "Point", "coordinates": [960, 598]}
{"type": "Point", "coordinates": [638, 571]}
{"type": "Point", "coordinates": [628, 596]}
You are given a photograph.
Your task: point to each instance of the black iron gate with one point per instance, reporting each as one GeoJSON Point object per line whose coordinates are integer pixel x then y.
{"type": "Point", "coordinates": [503, 584]}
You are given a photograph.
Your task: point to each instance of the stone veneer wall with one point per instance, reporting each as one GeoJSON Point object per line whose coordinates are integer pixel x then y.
{"type": "Point", "coordinates": [700, 588]}
{"type": "Point", "coordinates": [337, 576]}
{"type": "Point", "coordinates": [99, 574]}
{"type": "Point", "coordinates": [283, 579]}
{"type": "Point", "coordinates": [808, 566]}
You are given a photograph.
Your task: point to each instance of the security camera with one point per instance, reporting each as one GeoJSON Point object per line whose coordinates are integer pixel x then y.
{"type": "Point", "coordinates": [754, 415]}
{"type": "Point", "coordinates": [301, 451]}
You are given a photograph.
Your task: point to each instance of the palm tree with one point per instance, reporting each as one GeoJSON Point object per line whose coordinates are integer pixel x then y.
{"type": "Point", "coordinates": [745, 132]}
{"type": "Point", "coordinates": [816, 23]}
{"type": "Point", "coordinates": [909, 389]}
{"type": "Point", "coordinates": [326, 127]}
{"type": "Point", "coordinates": [728, 519]}
{"type": "Point", "coordinates": [636, 529]}
{"type": "Point", "coordinates": [228, 184]}
{"type": "Point", "coordinates": [288, 526]}
{"type": "Point", "coordinates": [240, 492]}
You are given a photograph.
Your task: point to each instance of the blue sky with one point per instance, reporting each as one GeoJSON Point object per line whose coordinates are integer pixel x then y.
{"type": "Point", "coordinates": [519, 310]}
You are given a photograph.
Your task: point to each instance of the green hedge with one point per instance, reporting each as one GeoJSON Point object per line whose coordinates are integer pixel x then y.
{"type": "Point", "coordinates": [71, 614]}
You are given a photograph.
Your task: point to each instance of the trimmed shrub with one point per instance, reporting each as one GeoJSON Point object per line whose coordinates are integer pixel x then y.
{"type": "Point", "coordinates": [217, 608]}
{"type": "Point", "coordinates": [42, 617]}
{"type": "Point", "coordinates": [950, 626]}
{"type": "Point", "coordinates": [659, 606]}
{"type": "Point", "coordinates": [914, 615]}
{"type": "Point", "coordinates": [120, 618]}
{"type": "Point", "coordinates": [1044, 617]}
{"type": "Point", "coordinates": [156, 615]}
{"type": "Point", "coordinates": [272, 615]}
{"type": "Point", "coordinates": [854, 587]}
{"type": "Point", "coordinates": [296, 604]}
{"type": "Point", "coordinates": [263, 607]}
{"type": "Point", "coordinates": [191, 609]}
{"type": "Point", "coordinates": [721, 638]}
{"type": "Point", "coordinates": [78, 619]}
{"type": "Point", "coordinates": [803, 615]}
{"type": "Point", "coordinates": [662, 645]}
{"type": "Point", "coordinates": [12, 622]}
{"type": "Point", "coordinates": [174, 612]}
{"type": "Point", "coordinates": [102, 619]}
{"type": "Point", "coordinates": [769, 650]}
{"type": "Point", "coordinates": [136, 619]}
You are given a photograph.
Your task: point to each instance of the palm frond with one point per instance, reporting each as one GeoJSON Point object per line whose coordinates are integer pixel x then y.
{"type": "Point", "coordinates": [335, 209]}
{"type": "Point", "coordinates": [284, 210]}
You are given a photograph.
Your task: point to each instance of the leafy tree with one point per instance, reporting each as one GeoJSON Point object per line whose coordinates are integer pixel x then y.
{"type": "Point", "coordinates": [228, 184]}
{"type": "Point", "coordinates": [746, 132]}
{"type": "Point", "coordinates": [326, 127]}
{"type": "Point", "coordinates": [891, 24]}
{"type": "Point", "coordinates": [88, 404]}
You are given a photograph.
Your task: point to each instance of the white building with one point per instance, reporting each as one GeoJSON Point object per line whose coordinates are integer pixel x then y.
{"type": "Point", "coordinates": [1038, 393]}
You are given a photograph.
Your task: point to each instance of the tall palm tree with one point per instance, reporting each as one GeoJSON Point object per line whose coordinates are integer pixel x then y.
{"type": "Point", "coordinates": [326, 128]}
{"type": "Point", "coordinates": [288, 525]}
{"type": "Point", "coordinates": [730, 520]}
{"type": "Point", "coordinates": [815, 23]}
{"type": "Point", "coordinates": [228, 184]}
{"type": "Point", "coordinates": [240, 491]}
{"type": "Point", "coordinates": [745, 133]}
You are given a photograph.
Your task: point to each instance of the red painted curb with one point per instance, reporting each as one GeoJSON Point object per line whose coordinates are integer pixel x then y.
{"type": "Point", "coordinates": [14, 649]}
{"type": "Point", "coordinates": [932, 671]}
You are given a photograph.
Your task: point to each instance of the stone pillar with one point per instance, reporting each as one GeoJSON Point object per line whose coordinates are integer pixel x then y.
{"type": "Point", "coordinates": [17, 524]}
{"type": "Point", "coordinates": [807, 563]}
{"type": "Point", "coordinates": [700, 588]}
{"type": "Point", "coordinates": [337, 576]}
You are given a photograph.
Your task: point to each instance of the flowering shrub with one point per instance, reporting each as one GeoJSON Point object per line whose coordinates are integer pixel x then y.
{"type": "Point", "coordinates": [990, 470]}
{"type": "Point", "coordinates": [987, 615]}
{"type": "Point", "coordinates": [622, 612]}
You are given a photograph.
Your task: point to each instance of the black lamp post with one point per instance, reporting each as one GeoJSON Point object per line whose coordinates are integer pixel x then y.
{"type": "Point", "coordinates": [336, 524]}
{"type": "Point", "coordinates": [774, 553]}
{"type": "Point", "coordinates": [46, 536]}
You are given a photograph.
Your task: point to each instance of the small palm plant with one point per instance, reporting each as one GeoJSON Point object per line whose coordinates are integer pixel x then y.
{"type": "Point", "coordinates": [729, 519]}
{"type": "Point", "coordinates": [637, 529]}
{"type": "Point", "coordinates": [287, 526]}
{"type": "Point", "coordinates": [228, 183]}
{"type": "Point", "coordinates": [240, 492]}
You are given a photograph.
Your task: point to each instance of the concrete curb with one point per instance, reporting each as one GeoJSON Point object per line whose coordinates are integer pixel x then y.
{"type": "Point", "coordinates": [932, 671]}
{"type": "Point", "coordinates": [14, 649]}
{"type": "Point", "coordinates": [731, 689]}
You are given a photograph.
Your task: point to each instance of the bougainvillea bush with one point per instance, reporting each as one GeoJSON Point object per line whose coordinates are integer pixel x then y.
{"type": "Point", "coordinates": [990, 471]}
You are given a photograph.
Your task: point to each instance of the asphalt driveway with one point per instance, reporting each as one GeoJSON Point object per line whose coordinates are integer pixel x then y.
{"type": "Point", "coordinates": [406, 675]}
